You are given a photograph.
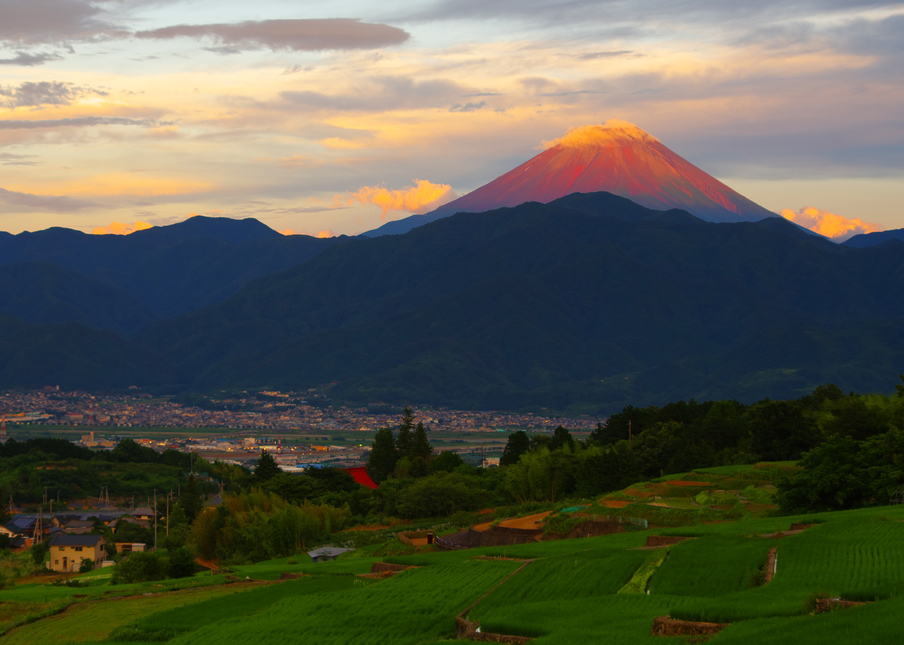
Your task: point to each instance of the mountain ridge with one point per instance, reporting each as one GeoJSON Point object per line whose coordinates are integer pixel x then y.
{"type": "Point", "coordinates": [589, 298]}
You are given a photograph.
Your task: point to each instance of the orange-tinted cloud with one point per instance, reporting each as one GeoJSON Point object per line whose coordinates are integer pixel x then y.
{"type": "Point", "coordinates": [324, 234]}
{"type": "Point", "coordinates": [421, 198]}
{"type": "Point", "coordinates": [598, 134]}
{"type": "Point", "coordinates": [121, 229]}
{"type": "Point", "coordinates": [288, 231]}
{"type": "Point", "coordinates": [834, 227]}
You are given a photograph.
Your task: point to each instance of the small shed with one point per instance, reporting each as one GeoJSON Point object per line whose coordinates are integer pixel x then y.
{"type": "Point", "coordinates": [326, 554]}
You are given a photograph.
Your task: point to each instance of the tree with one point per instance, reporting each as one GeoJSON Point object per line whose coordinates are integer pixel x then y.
{"type": "Point", "coordinates": [779, 430]}
{"type": "Point", "coordinates": [421, 452]}
{"type": "Point", "coordinates": [383, 456]}
{"type": "Point", "coordinates": [181, 564]}
{"type": "Point", "coordinates": [295, 488]}
{"type": "Point", "coordinates": [266, 468]}
{"type": "Point", "coordinates": [38, 552]}
{"type": "Point", "coordinates": [142, 566]}
{"type": "Point", "coordinates": [446, 462]}
{"type": "Point", "coordinates": [128, 531]}
{"type": "Point", "coordinates": [129, 451]}
{"type": "Point", "coordinates": [560, 438]}
{"type": "Point", "coordinates": [442, 494]}
{"type": "Point", "coordinates": [403, 442]}
{"type": "Point", "coordinates": [190, 500]}
{"type": "Point", "coordinates": [900, 387]}
{"type": "Point", "coordinates": [517, 444]}
{"type": "Point", "coordinates": [178, 528]}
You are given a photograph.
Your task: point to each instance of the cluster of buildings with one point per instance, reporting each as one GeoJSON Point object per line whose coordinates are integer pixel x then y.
{"type": "Point", "coordinates": [69, 536]}
{"type": "Point", "coordinates": [278, 411]}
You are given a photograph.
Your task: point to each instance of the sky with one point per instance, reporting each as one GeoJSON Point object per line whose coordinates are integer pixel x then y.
{"type": "Point", "coordinates": [329, 118]}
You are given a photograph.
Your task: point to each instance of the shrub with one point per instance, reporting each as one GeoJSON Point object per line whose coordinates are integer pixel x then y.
{"type": "Point", "coordinates": [86, 566]}
{"type": "Point", "coordinates": [181, 564]}
{"type": "Point", "coordinates": [142, 567]}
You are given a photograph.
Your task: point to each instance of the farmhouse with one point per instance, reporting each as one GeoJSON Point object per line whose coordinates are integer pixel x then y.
{"type": "Point", "coordinates": [67, 552]}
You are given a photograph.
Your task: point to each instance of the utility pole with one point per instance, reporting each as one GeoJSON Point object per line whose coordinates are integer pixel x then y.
{"type": "Point", "coordinates": [629, 432]}
{"type": "Point", "coordinates": [167, 512]}
{"type": "Point", "coordinates": [155, 520]}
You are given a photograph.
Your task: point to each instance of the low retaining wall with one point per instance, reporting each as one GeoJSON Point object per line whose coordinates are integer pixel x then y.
{"type": "Point", "coordinates": [465, 629]}
{"type": "Point", "coordinates": [665, 626]}
{"type": "Point", "coordinates": [801, 526]}
{"type": "Point", "coordinates": [829, 604]}
{"type": "Point", "coordinates": [770, 565]}
{"type": "Point", "coordinates": [665, 540]}
{"type": "Point", "coordinates": [472, 539]}
{"type": "Point", "coordinates": [451, 542]}
{"type": "Point", "coordinates": [383, 567]}
{"type": "Point", "coordinates": [510, 530]}
{"type": "Point", "coordinates": [593, 529]}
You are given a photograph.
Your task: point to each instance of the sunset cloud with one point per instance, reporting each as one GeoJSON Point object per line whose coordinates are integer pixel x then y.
{"type": "Point", "coordinates": [421, 198]}
{"type": "Point", "coordinates": [47, 203]}
{"type": "Point", "coordinates": [24, 59]}
{"type": "Point", "coordinates": [30, 94]}
{"type": "Point", "coordinates": [121, 229]}
{"type": "Point", "coordinates": [291, 35]}
{"type": "Point", "coordinates": [77, 122]}
{"type": "Point", "coordinates": [32, 22]}
{"type": "Point", "coordinates": [834, 227]}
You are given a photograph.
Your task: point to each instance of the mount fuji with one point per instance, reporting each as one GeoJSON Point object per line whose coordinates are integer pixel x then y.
{"type": "Point", "coordinates": [617, 157]}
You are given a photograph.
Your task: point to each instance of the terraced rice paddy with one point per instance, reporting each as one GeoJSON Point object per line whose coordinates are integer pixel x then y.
{"type": "Point", "coordinates": [567, 594]}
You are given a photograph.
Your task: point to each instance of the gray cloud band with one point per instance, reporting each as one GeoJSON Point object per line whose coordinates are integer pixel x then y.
{"type": "Point", "coordinates": [83, 121]}
{"type": "Point", "coordinates": [24, 59]}
{"type": "Point", "coordinates": [293, 35]}
{"type": "Point", "coordinates": [42, 202]}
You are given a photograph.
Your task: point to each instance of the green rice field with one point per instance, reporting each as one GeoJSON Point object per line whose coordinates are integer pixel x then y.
{"type": "Point", "coordinates": [568, 593]}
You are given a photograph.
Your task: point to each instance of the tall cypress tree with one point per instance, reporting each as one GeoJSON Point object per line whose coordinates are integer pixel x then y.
{"type": "Point", "coordinates": [420, 444]}
{"type": "Point", "coordinates": [404, 440]}
{"type": "Point", "coordinates": [266, 468]}
{"type": "Point", "coordinates": [383, 456]}
{"type": "Point", "coordinates": [518, 444]}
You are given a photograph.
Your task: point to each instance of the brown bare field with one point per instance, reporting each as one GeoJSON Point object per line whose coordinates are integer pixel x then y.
{"type": "Point", "coordinates": [680, 482]}
{"type": "Point", "coordinates": [639, 492]}
{"type": "Point", "coordinates": [614, 503]}
{"type": "Point", "coordinates": [485, 526]}
{"type": "Point", "coordinates": [528, 522]}
{"type": "Point", "coordinates": [372, 527]}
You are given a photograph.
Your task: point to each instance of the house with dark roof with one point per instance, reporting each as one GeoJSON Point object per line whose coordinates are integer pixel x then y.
{"type": "Point", "coordinates": [67, 552]}
{"type": "Point", "coordinates": [326, 554]}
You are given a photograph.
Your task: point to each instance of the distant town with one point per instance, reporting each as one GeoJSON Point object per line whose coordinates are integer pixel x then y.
{"type": "Point", "coordinates": [297, 431]}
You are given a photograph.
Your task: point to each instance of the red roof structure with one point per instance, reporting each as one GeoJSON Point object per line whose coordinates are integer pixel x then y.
{"type": "Point", "coordinates": [360, 475]}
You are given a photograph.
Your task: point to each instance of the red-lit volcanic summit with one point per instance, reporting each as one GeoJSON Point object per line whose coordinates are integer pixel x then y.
{"type": "Point", "coordinates": [617, 157]}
